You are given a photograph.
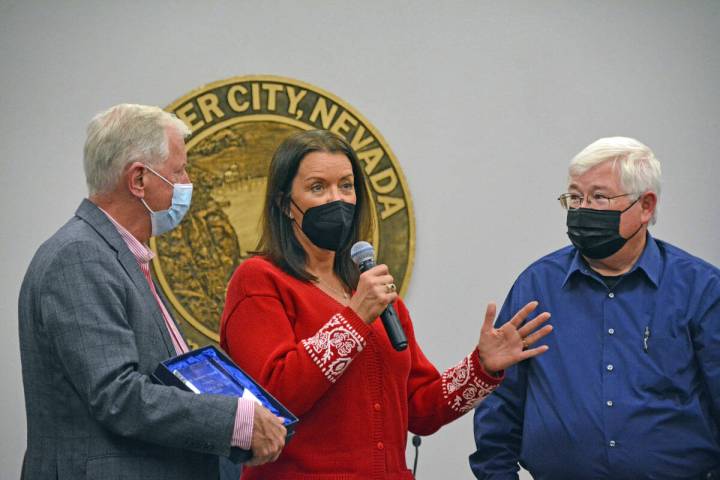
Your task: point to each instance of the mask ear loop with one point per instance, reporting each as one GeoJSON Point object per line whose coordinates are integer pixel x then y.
{"type": "Point", "coordinates": [296, 206]}
{"type": "Point", "coordinates": [156, 173]}
{"type": "Point", "coordinates": [293, 217]}
{"type": "Point", "coordinates": [149, 168]}
{"type": "Point", "coordinates": [631, 205]}
{"type": "Point", "coordinates": [287, 211]}
{"type": "Point", "coordinates": [628, 208]}
{"type": "Point", "coordinates": [283, 205]}
{"type": "Point", "coordinates": [142, 200]}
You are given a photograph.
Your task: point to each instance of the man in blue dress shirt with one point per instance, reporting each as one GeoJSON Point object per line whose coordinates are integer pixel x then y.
{"type": "Point", "coordinates": [630, 388]}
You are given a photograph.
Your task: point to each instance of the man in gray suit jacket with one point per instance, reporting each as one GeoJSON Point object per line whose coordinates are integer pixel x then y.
{"type": "Point", "coordinates": [93, 327]}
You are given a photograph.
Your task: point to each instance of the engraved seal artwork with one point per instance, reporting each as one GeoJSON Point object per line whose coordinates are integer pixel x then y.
{"type": "Point", "coordinates": [236, 126]}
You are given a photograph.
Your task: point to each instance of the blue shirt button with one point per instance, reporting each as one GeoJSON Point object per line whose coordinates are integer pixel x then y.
{"type": "Point", "coordinates": [609, 368]}
{"type": "Point", "coordinates": [611, 295]}
{"type": "Point", "coordinates": [611, 331]}
{"type": "Point", "coordinates": [612, 443]}
{"type": "Point", "coordinates": [609, 403]}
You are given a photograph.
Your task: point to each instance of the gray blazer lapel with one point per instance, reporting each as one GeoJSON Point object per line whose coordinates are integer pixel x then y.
{"type": "Point", "coordinates": [97, 219]}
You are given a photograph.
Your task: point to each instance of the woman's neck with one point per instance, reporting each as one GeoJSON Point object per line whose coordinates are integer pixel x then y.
{"type": "Point", "coordinates": [319, 262]}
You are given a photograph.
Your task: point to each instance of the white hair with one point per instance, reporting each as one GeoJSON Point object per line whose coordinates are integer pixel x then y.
{"type": "Point", "coordinates": [124, 134]}
{"type": "Point", "coordinates": [639, 169]}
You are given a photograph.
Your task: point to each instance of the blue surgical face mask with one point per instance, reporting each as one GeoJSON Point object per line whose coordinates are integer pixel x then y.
{"type": "Point", "coordinates": [165, 220]}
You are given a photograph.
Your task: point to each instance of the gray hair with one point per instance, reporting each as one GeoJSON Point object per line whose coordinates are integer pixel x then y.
{"type": "Point", "coordinates": [124, 134]}
{"type": "Point", "coordinates": [639, 169]}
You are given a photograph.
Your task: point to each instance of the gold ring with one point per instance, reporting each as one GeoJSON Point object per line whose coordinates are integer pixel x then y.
{"type": "Point", "coordinates": [525, 344]}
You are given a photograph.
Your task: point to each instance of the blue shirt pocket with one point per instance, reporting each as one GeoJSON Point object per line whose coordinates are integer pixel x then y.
{"type": "Point", "coordinates": [667, 367]}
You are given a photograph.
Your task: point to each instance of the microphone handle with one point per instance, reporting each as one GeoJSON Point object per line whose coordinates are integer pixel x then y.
{"type": "Point", "coordinates": [394, 330]}
{"type": "Point", "coordinates": [389, 317]}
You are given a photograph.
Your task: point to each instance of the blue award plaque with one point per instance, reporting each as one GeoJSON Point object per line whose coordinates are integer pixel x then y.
{"type": "Point", "coordinates": [208, 370]}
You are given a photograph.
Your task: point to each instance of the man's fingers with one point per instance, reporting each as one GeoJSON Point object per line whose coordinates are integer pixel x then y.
{"type": "Point", "coordinates": [257, 460]}
{"type": "Point", "coordinates": [268, 437]}
{"type": "Point", "coordinates": [268, 453]}
{"type": "Point", "coordinates": [260, 460]}
{"type": "Point", "coordinates": [522, 314]}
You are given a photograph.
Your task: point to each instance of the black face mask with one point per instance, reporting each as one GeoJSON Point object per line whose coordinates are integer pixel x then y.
{"type": "Point", "coordinates": [596, 233]}
{"type": "Point", "coordinates": [328, 225]}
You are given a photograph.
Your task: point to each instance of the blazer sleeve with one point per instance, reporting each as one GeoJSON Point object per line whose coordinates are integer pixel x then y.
{"type": "Point", "coordinates": [435, 399]}
{"type": "Point", "coordinates": [499, 419]}
{"type": "Point", "coordinates": [84, 313]}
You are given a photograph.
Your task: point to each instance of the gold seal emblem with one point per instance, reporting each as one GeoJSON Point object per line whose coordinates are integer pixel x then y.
{"type": "Point", "coordinates": [236, 126]}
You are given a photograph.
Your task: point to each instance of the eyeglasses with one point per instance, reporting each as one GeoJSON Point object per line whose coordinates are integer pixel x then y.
{"type": "Point", "coordinates": [571, 201]}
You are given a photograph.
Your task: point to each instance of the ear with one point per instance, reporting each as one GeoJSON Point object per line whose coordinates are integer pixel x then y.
{"type": "Point", "coordinates": [135, 179]}
{"type": "Point", "coordinates": [648, 202]}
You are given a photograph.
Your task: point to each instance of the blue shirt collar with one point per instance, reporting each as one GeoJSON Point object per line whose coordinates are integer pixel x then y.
{"type": "Point", "coordinates": [650, 262]}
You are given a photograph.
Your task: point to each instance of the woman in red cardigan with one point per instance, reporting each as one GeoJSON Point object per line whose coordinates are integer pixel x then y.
{"type": "Point", "coordinates": [301, 320]}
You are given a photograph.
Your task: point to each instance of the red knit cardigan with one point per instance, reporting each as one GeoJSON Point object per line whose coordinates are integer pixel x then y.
{"type": "Point", "coordinates": [356, 396]}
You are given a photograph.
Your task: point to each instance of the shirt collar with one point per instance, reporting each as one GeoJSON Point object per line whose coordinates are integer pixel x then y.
{"type": "Point", "coordinates": [650, 262]}
{"type": "Point", "coordinates": [141, 252]}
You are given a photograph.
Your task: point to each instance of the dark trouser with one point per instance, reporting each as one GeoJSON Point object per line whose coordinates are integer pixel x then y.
{"type": "Point", "coordinates": [229, 470]}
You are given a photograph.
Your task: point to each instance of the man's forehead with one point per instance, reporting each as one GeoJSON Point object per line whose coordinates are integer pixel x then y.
{"type": "Point", "coordinates": [604, 175]}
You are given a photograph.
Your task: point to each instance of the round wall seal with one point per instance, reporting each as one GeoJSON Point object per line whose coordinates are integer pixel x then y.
{"type": "Point", "coordinates": [236, 126]}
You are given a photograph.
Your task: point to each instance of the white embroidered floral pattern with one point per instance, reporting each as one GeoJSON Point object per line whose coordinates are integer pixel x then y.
{"type": "Point", "coordinates": [462, 388]}
{"type": "Point", "coordinates": [334, 346]}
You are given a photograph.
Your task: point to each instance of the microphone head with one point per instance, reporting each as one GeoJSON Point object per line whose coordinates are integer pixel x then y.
{"type": "Point", "coordinates": [361, 252]}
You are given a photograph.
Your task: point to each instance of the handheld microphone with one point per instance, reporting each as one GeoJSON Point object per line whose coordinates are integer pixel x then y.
{"type": "Point", "coordinates": [363, 254]}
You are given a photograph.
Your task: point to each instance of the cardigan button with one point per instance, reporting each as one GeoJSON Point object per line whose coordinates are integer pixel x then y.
{"type": "Point", "coordinates": [376, 407]}
{"type": "Point", "coordinates": [380, 445]}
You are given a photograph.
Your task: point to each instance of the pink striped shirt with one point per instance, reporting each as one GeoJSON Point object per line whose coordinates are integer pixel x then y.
{"type": "Point", "coordinates": [242, 431]}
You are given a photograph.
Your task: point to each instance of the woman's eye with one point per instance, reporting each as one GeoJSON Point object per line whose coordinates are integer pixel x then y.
{"type": "Point", "coordinates": [347, 186]}
{"type": "Point", "coordinates": [316, 187]}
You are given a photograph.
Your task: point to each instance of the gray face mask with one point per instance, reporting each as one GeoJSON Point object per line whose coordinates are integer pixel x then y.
{"type": "Point", "coordinates": [165, 220]}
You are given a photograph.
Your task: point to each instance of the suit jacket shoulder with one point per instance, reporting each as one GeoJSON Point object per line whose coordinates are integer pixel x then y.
{"type": "Point", "coordinates": [91, 333]}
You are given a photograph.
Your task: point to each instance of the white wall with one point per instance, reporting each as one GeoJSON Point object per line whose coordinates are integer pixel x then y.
{"type": "Point", "coordinates": [483, 103]}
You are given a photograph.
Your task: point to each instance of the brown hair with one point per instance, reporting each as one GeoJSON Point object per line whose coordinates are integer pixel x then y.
{"type": "Point", "coordinates": [278, 241]}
